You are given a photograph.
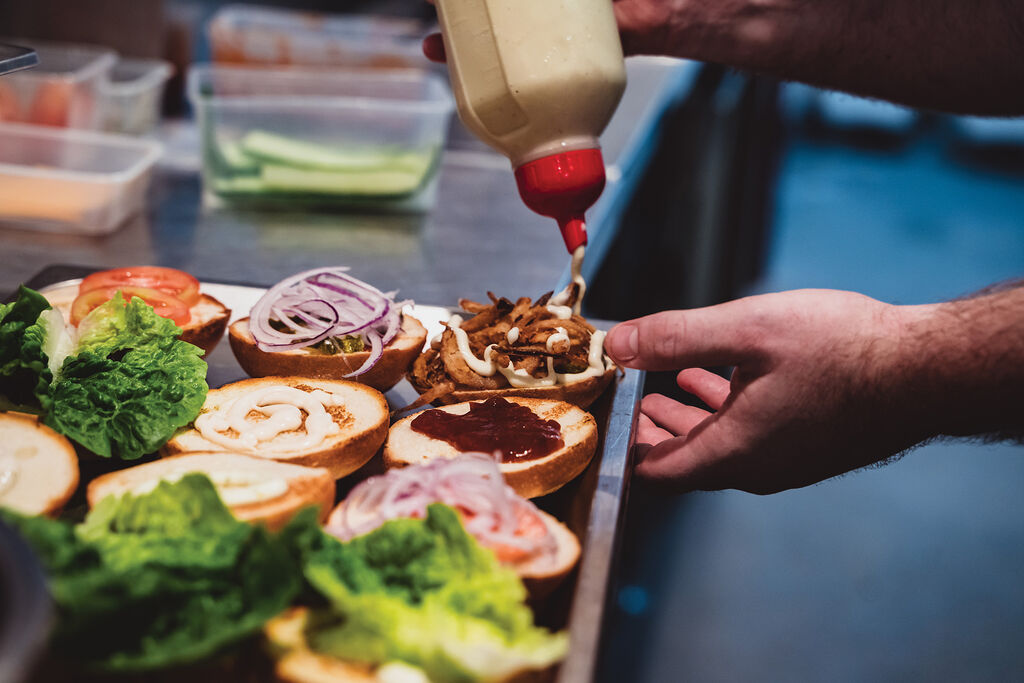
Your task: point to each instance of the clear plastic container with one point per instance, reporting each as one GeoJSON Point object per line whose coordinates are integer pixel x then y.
{"type": "Point", "coordinates": [367, 137]}
{"type": "Point", "coordinates": [250, 35]}
{"type": "Point", "coordinates": [71, 181]}
{"type": "Point", "coordinates": [63, 90]}
{"type": "Point", "coordinates": [131, 95]}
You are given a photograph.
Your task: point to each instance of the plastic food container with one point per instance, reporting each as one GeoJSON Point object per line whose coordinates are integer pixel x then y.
{"type": "Point", "coordinates": [364, 137]}
{"type": "Point", "coordinates": [245, 34]}
{"type": "Point", "coordinates": [131, 95]}
{"type": "Point", "coordinates": [71, 181]}
{"type": "Point", "coordinates": [63, 90]}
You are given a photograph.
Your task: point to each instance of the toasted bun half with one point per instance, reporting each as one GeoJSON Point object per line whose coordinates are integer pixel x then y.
{"type": "Point", "coordinates": [256, 490]}
{"type": "Point", "coordinates": [542, 575]}
{"type": "Point", "coordinates": [204, 329]}
{"type": "Point", "coordinates": [296, 663]}
{"type": "Point", "coordinates": [580, 394]}
{"type": "Point", "coordinates": [361, 417]}
{"type": "Point", "coordinates": [38, 466]}
{"type": "Point", "coordinates": [530, 478]}
{"type": "Point", "coordinates": [398, 356]}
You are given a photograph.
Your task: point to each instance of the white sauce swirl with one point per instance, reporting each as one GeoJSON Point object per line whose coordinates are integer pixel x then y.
{"type": "Point", "coordinates": [282, 408]}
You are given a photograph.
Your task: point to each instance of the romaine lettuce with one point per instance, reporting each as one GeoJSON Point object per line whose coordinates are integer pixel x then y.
{"type": "Point", "coordinates": [424, 592]}
{"type": "Point", "coordinates": [166, 578]}
{"type": "Point", "coordinates": [121, 389]}
{"type": "Point", "coordinates": [23, 370]}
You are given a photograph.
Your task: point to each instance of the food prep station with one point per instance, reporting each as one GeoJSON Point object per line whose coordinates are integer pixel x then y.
{"type": "Point", "coordinates": [155, 200]}
{"type": "Point", "coordinates": [192, 193]}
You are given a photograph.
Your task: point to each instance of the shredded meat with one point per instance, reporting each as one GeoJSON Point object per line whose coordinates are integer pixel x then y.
{"type": "Point", "coordinates": [441, 369]}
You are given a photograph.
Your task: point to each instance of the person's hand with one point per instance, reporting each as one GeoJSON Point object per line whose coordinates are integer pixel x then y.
{"type": "Point", "coordinates": [819, 389]}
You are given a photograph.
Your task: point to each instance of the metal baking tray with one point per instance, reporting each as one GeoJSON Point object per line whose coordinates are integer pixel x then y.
{"type": "Point", "coordinates": [591, 505]}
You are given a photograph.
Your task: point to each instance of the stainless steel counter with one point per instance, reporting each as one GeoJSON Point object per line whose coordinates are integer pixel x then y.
{"type": "Point", "coordinates": [479, 236]}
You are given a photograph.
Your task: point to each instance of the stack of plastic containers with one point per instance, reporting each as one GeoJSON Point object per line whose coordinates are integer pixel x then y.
{"type": "Point", "coordinates": [56, 173]}
{"type": "Point", "coordinates": [311, 109]}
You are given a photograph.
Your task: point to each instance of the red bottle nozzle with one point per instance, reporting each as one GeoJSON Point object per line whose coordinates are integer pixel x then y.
{"type": "Point", "coordinates": [563, 186]}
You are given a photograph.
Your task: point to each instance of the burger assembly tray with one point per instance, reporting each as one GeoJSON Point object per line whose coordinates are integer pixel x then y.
{"type": "Point", "coordinates": [591, 505]}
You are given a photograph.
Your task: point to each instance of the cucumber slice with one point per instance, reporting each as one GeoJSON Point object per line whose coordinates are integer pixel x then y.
{"type": "Point", "coordinates": [282, 150]}
{"type": "Point", "coordinates": [381, 183]}
{"type": "Point", "coordinates": [247, 185]}
{"type": "Point", "coordinates": [235, 158]}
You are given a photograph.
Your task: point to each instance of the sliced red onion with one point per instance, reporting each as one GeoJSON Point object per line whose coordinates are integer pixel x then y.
{"type": "Point", "coordinates": [322, 303]}
{"type": "Point", "coordinates": [471, 483]}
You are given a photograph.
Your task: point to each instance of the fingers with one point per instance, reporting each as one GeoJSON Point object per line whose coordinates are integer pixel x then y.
{"type": "Point", "coordinates": [716, 335]}
{"type": "Point", "coordinates": [695, 462]}
{"type": "Point", "coordinates": [707, 386]}
{"type": "Point", "coordinates": [671, 415]}
{"type": "Point", "coordinates": [433, 48]}
{"type": "Point", "coordinates": [649, 433]}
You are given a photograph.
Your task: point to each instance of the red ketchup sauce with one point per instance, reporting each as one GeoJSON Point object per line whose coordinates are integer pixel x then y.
{"type": "Point", "coordinates": [494, 425]}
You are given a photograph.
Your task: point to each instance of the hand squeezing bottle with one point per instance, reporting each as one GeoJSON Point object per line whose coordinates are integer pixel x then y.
{"type": "Point", "coordinates": [538, 80]}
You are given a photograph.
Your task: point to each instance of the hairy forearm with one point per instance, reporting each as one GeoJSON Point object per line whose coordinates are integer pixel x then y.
{"type": "Point", "coordinates": [962, 364]}
{"type": "Point", "coordinates": [952, 55]}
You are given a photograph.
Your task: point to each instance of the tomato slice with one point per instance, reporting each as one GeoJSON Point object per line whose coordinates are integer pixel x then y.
{"type": "Point", "coordinates": [174, 282]}
{"type": "Point", "coordinates": [166, 305]}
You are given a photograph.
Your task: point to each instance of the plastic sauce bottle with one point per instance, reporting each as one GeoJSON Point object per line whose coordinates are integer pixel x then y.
{"type": "Point", "coordinates": [539, 80]}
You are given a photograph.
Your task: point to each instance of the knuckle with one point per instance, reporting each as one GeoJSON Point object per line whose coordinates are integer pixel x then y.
{"type": "Point", "coordinates": [666, 339]}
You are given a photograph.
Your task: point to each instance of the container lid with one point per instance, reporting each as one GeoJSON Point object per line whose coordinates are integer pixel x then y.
{"type": "Point", "coordinates": [413, 90]}
{"type": "Point", "coordinates": [14, 58]}
{"type": "Point", "coordinates": [29, 150]}
{"type": "Point", "coordinates": [68, 61]}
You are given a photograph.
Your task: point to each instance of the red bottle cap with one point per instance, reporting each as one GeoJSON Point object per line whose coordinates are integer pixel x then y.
{"type": "Point", "coordinates": [563, 186]}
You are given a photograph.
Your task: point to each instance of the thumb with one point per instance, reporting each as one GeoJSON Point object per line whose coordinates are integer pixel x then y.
{"type": "Point", "coordinates": [699, 337]}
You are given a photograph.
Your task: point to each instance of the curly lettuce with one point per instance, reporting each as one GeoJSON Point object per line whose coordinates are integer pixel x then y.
{"type": "Point", "coordinates": [24, 374]}
{"type": "Point", "coordinates": [121, 390]}
{"type": "Point", "coordinates": [424, 592]}
{"type": "Point", "coordinates": [162, 579]}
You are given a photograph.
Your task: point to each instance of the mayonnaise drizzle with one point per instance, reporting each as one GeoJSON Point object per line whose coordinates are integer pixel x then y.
{"type": "Point", "coordinates": [521, 378]}
{"type": "Point", "coordinates": [559, 335]}
{"type": "Point", "coordinates": [598, 363]}
{"type": "Point", "coordinates": [485, 367]}
{"type": "Point", "coordinates": [576, 277]}
{"type": "Point", "coordinates": [595, 358]}
{"type": "Point", "coordinates": [560, 312]}
{"type": "Point", "coordinates": [283, 407]}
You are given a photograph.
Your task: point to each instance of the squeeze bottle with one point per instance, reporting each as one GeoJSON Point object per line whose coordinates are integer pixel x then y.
{"type": "Point", "coordinates": [538, 80]}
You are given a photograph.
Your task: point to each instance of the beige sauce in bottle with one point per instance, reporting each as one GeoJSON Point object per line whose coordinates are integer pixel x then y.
{"type": "Point", "coordinates": [534, 77]}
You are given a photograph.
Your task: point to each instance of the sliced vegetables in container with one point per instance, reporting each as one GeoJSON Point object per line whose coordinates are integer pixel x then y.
{"type": "Point", "coordinates": [283, 136]}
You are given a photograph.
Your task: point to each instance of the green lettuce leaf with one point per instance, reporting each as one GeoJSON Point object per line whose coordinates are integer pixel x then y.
{"type": "Point", "coordinates": [24, 374]}
{"type": "Point", "coordinates": [424, 592]}
{"type": "Point", "coordinates": [113, 326]}
{"type": "Point", "coordinates": [131, 384]}
{"type": "Point", "coordinates": [162, 579]}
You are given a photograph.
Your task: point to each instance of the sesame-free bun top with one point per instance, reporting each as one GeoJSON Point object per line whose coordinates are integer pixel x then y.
{"type": "Point", "coordinates": [529, 478]}
{"type": "Point", "coordinates": [359, 412]}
